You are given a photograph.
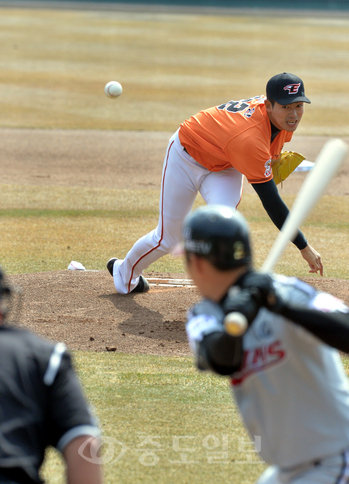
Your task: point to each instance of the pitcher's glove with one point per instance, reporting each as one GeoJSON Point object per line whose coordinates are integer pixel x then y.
{"type": "Point", "coordinates": [285, 165]}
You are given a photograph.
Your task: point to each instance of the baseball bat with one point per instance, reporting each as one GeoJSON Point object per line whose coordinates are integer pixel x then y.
{"type": "Point", "coordinates": [326, 166]}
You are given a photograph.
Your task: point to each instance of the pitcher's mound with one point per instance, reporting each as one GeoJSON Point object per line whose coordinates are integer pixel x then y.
{"type": "Point", "coordinates": [83, 310]}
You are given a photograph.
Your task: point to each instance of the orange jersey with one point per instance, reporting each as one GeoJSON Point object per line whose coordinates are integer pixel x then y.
{"type": "Point", "coordinates": [234, 134]}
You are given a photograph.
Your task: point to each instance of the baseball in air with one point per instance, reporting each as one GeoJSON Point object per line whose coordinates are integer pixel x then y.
{"type": "Point", "coordinates": [235, 324]}
{"type": "Point", "coordinates": [113, 89]}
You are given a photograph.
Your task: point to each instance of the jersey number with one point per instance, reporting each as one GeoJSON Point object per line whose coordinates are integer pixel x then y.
{"type": "Point", "coordinates": [237, 106]}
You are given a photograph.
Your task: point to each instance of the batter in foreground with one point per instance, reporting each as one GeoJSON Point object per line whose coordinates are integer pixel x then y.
{"type": "Point", "coordinates": [285, 371]}
{"type": "Point", "coordinates": [209, 154]}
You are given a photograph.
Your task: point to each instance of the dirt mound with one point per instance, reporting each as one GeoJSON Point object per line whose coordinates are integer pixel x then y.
{"type": "Point", "coordinates": [82, 309]}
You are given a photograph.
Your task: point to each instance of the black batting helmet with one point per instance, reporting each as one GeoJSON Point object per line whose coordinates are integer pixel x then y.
{"type": "Point", "coordinates": [219, 234]}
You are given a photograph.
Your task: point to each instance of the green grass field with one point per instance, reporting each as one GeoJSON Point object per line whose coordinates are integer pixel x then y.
{"type": "Point", "coordinates": [54, 65]}
{"type": "Point", "coordinates": [186, 421]}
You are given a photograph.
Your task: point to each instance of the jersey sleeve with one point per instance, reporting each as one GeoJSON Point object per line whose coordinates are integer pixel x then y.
{"type": "Point", "coordinates": [69, 413]}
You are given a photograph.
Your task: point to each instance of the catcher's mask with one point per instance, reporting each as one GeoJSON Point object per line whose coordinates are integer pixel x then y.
{"type": "Point", "coordinates": [219, 234]}
{"type": "Point", "coordinates": [5, 295]}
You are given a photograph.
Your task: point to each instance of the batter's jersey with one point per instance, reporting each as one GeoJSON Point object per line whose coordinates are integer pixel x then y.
{"type": "Point", "coordinates": [292, 390]}
{"type": "Point", "coordinates": [234, 134]}
{"type": "Point", "coordinates": [41, 403]}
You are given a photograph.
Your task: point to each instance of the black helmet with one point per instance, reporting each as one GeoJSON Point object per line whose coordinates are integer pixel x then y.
{"type": "Point", "coordinates": [219, 234]}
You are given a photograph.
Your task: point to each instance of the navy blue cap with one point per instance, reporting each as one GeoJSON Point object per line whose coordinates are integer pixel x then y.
{"type": "Point", "coordinates": [286, 88]}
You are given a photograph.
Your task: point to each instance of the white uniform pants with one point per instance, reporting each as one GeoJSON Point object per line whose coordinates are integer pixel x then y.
{"type": "Point", "coordinates": [182, 179]}
{"type": "Point", "coordinates": [330, 470]}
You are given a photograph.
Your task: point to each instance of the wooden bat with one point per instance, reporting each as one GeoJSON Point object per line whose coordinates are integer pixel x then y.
{"type": "Point", "coordinates": [326, 166]}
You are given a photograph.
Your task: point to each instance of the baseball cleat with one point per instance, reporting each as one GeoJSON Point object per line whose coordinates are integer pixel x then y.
{"type": "Point", "coordinates": [143, 284]}
{"type": "Point", "coordinates": [110, 265]}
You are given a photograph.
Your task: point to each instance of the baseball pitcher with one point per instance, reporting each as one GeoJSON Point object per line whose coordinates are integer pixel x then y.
{"type": "Point", "coordinates": [210, 154]}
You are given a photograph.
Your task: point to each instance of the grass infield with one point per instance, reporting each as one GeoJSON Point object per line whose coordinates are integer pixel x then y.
{"type": "Point", "coordinates": [44, 228]}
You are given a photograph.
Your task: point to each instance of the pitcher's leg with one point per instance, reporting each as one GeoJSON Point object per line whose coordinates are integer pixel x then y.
{"type": "Point", "coordinates": [179, 186]}
{"type": "Point", "coordinates": [223, 187]}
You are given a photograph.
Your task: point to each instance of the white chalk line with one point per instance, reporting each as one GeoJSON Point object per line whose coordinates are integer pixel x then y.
{"type": "Point", "coordinates": [167, 282]}
{"type": "Point", "coordinates": [158, 281]}
{"type": "Point", "coordinates": [169, 285]}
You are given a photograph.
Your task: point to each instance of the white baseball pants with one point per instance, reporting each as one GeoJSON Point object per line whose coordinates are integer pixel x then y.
{"type": "Point", "coordinates": [182, 179]}
{"type": "Point", "coordinates": [329, 470]}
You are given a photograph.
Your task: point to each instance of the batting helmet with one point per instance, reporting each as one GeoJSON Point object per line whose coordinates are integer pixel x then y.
{"type": "Point", "coordinates": [219, 234]}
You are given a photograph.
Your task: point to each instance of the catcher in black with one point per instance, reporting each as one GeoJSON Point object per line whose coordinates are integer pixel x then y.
{"type": "Point", "coordinates": [42, 404]}
{"type": "Point", "coordinates": [285, 370]}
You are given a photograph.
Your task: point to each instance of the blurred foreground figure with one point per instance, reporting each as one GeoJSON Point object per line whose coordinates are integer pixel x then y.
{"type": "Point", "coordinates": [285, 370]}
{"type": "Point", "coordinates": [41, 405]}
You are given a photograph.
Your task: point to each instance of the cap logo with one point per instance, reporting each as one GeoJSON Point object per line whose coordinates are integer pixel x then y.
{"type": "Point", "coordinates": [292, 88]}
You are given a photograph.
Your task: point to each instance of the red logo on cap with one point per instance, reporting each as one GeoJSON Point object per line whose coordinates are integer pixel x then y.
{"type": "Point", "coordinates": [292, 88]}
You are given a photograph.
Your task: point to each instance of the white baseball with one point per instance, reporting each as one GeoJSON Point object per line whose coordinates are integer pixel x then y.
{"type": "Point", "coordinates": [235, 324]}
{"type": "Point", "coordinates": [113, 89]}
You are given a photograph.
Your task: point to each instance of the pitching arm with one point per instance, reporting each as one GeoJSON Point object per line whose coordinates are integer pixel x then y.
{"type": "Point", "coordinates": [276, 208]}
{"type": "Point", "coordinates": [278, 212]}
